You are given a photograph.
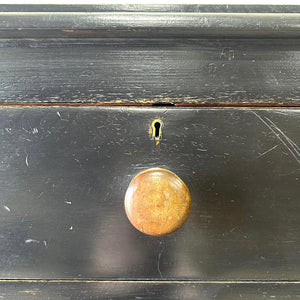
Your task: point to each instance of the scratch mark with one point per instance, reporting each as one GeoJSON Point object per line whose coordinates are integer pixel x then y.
{"type": "Point", "coordinates": [40, 195]}
{"type": "Point", "coordinates": [297, 149]}
{"type": "Point", "coordinates": [158, 262]}
{"type": "Point", "coordinates": [280, 112]}
{"type": "Point", "coordinates": [83, 170]}
{"type": "Point", "coordinates": [290, 173]}
{"type": "Point", "coordinates": [262, 154]}
{"type": "Point", "coordinates": [68, 202]}
{"type": "Point", "coordinates": [9, 130]}
{"type": "Point", "coordinates": [58, 113]}
{"type": "Point", "coordinates": [35, 131]}
{"type": "Point", "coordinates": [28, 241]}
{"type": "Point", "coordinates": [6, 208]}
{"type": "Point", "coordinates": [26, 159]}
{"type": "Point", "coordinates": [292, 147]}
{"type": "Point", "coordinates": [45, 244]}
{"type": "Point", "coordinates": [30, 292]}
{"type": "Point", "coordinates": [290, 142]}
{"type": "Point", "coordinates": [233, 229]}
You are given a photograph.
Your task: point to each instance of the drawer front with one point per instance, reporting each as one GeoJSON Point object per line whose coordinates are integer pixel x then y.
{"type": "Point", "coordinates": [64, 172]}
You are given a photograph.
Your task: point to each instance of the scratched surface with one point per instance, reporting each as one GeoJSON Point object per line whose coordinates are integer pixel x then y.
{"type": "Point", "coordinates": [64, 172]}
{"type": "Point", "coordinates": [149, 21]}
{"type": "Point", "coordinates": [148, 290]}
{"type": "Point", "coordinates": [224, 71]}
{"type": "Point", "coordinates": [163, 8]}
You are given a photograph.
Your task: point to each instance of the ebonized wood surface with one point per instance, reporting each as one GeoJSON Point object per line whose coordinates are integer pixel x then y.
{"type": "Point", "coordinates": [149, 21]}
{"type": "Point", "coordinates": [145, 71]}
{"type": "Point", "coordinates": [144, 290]}
{"type": "Point", "coordinates": [65, 170]}
{"type": "Point", "coordinates": [150, 25]}
{"type": "Point", "coordinates": [148, 8]}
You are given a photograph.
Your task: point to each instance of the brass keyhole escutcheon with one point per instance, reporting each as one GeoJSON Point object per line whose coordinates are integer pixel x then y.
{"type": "Point", "coordinates": [157, 202]}
{"type": "Point", "coordinates": [156, 130]}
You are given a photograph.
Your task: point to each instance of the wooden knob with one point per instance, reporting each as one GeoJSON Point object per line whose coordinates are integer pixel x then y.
{"type": "Point", "coordinates": [157, 202]}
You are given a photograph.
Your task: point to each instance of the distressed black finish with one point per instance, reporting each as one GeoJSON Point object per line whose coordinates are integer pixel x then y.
{"type": "Point", "coordinates": [163, 8]}
{"type": "Point", "coordinates": [137, 54]}
{"type": "Point", "coordinates": [62, 290]}
{"type": "Point", "coordinates": [139, 71]}
{"type": "Point", "coordinates": [149, 21]}
{"type": "Point", "coordinates": [147, 25]}
{"type": "Point", "coordinates": [64, 172]}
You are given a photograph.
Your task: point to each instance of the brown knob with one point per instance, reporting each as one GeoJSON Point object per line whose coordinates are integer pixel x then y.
{"type": "Point", "coordinates": [157, 201]}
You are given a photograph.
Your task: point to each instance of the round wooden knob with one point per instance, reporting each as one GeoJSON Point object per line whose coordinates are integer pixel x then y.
{"type": "Point", "coordinates": [157, 202]}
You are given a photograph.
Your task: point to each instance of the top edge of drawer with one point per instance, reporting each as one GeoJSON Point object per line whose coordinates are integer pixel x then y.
{"type": "Point", "coordinates": [155, 21]}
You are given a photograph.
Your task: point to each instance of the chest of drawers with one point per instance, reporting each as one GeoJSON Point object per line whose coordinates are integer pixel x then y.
{"type": "Point", "coordinates": [80, 89]}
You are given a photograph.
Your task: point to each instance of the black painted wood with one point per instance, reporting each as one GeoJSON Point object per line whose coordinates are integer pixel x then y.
{"type": "Point", "coordinates": [139, 71]}
{"type": "Point", "coordinates": [148, 25]}
{"type": "Point", "coordinates": [165, 8]}
{"type": "Point", "coordinates": [64, 172]}
{"type": "Point", "coordinates": [148, 290]}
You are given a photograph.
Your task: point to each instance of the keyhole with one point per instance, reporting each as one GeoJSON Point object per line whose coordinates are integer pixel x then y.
{"type": "Point", "coordinates": [157, 126]}
{"type": "Point", "coordinates": [157, 130]}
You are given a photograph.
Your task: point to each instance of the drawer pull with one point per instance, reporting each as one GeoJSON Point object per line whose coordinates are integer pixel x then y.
{"type": "Point", "coordinates": [157, 202]}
